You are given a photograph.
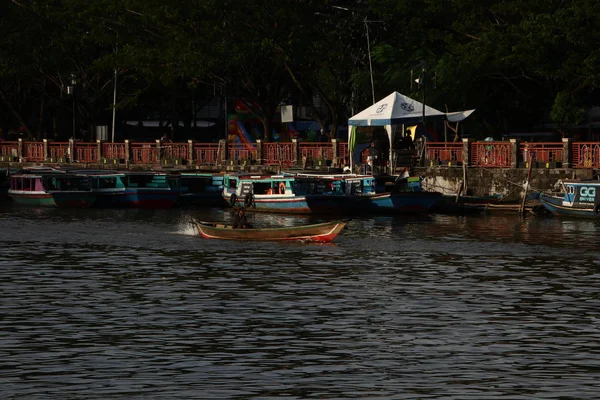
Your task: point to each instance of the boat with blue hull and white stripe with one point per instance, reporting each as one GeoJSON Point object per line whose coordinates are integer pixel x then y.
{"type": "Point", "coordinates": [580, 199]}
{"type": "Point", "coordinates": [291, 193]}
{"type": "Point", "coordinates": [266, 193]}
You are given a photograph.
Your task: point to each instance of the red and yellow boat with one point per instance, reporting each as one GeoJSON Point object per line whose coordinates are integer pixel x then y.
{"type": "Point", "coordinates": [323, 232]}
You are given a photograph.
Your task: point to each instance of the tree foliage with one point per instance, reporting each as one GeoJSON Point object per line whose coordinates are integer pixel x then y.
{"type": "Point", "coordinates": [518, 62]}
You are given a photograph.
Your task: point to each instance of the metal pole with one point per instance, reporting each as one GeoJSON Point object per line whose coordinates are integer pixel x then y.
{"type": "Point", "coordinates": [114, 107]}
{"type": "Point", "coordinates": [226, 121]}
{"type": "Point", "coordinates": [73, 112]}
{"type": "Point", "coordinates": [114, 111]}
{"type": "Point", "coordinates": [370, 64]}
{"type": "Point", "coordinates": [423, 85]}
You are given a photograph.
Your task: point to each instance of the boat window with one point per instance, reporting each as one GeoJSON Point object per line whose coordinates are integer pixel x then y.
{"type": "Point", "coordinates": [196, 184]}
{"type": "Point", "coordinates": [262, 187]}
{"type": "Point", "coordinates": [19, 184]}
{"type": "Point", "coordinates": [105, 183]}
{"type": "Point", "coordinates": [140, 180]}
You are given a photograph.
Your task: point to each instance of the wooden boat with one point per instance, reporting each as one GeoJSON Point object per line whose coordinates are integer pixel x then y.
{"type": "Point", "coordinates": [580, 199]}
{"type": "Point", "coordinates": [50, 188]}
{"type": "Point", "coordinates": [323, 233]}
{"type": "Point", "coordinates": [398, 202]}
{"type": "Point", "coordinates": [465, 204]}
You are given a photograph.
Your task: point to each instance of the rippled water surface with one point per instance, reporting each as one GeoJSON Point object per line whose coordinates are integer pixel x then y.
{"type": "Point", "coordinates": [131, 304]}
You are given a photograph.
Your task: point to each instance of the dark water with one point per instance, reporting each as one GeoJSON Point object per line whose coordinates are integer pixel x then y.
{"type": "Point", "coordinates": [130, 304]}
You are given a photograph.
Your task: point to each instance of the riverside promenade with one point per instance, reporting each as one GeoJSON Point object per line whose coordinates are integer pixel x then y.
{"type": "Point", "coordinates": [474, 167]}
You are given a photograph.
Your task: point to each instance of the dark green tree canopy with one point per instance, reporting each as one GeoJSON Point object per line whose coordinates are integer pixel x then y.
{"type": "Point", "coordinates": [518, 62]}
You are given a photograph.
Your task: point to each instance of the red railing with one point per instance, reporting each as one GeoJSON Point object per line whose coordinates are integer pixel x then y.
{"type": "Point", "coordinates": [542, 152]}
{"type": "Point", "coordinates": [144, 153]}
{"type": "Point", "coordinates": [9, 151]}
{"type": "Point", "coordinates": [444, 152]}
{"type": "Point", "coordinates": [278, 153]}
{"type": "Point", "coordinates": [239, 152]}
{"type": "Point", "coordinates": [586, 155]}
{"type": "Point", "coordinates": [34, 151]}
{"type": "Point", "coordinates": [59, 152]}
{"type": "Point", "coordinates": [491, 154]}
{"type": "Point", "coordinates": [86, 152]}
{"type": "Point", "coordinates": [343, 152]}
{"type": "Point", "coordinates": [484, 154]}
{"type": "Point", "coordinates": [207, 153]}
{"type": "Point", "coordinates": [316, 150]}
{"type": "Point", "coordinates": [114, 151]}
{"type": "Point", "coordinates": [175, 151]}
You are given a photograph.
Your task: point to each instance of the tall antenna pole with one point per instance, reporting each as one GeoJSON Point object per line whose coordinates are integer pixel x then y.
{"type": "Point", "coordinates": [423, 82]}
{"type": "Point", "coordinates": [370, 63]}
{"type": "Point", "coordinates": [114, 111]}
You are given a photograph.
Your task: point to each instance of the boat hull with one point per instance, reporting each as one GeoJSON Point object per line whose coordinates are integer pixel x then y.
{"type": "Point", "coordinates": [115, 198]}
{"type": "Point", "coordinates": [449, 204]}
{"type": "Point", "coordinates": [555, 205]}
{"type": "Point", "coordinates": [32, 199]}
{"type": "Point", "coordinates": [321, 233]}
{"type": "Point", "coordinates": [399, 202]}
{"type": "Point", "coordinates": [74, 199]}
{"type": "Point", "coordinates": [272, 204]}
{"type": "Point", "coordinates": [54, 199]}
{"type": "Point", "coordinates": [152, 198]}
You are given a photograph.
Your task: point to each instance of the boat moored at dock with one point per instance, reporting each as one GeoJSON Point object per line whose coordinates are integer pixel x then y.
{"type": "Point", "coordinates": [580, 199]}
{"type": "Point", "coordinates": [201, 189]}
{"type": "Point", "coordinates": [48, 187]}
{"type": "Point", "coordinates": [152, 189]}
{"type": "Point", "coordinates": [266, 193]}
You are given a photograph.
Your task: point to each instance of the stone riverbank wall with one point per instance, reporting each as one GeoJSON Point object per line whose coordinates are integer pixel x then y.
{"type": "Point", "coordinates": [508, 182]}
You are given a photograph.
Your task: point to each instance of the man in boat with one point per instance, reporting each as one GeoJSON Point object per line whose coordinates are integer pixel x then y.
{"type": "Point", "coordinates": [241, 221]}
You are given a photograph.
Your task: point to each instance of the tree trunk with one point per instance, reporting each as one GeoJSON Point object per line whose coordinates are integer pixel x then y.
{"type": "Point", "coordinates": [15, 113]}
{"type": "Point", "coordinates": [41, 118]}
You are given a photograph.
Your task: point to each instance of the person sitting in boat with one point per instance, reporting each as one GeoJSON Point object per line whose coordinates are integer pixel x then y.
{"type": "Point", "coordinates": [269, 191]}
{"type": "Point", "coordinates": [241, 221]}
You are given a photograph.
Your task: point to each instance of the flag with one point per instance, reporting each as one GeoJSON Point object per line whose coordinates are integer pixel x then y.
{"type": "Point", "coordinates": [404, 174]}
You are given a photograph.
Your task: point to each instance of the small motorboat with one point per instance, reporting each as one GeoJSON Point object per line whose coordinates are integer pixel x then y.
{"type": "Point", "coordinates": [323, 232]}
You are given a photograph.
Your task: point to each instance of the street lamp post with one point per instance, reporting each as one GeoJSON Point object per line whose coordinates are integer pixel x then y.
{"type": "Point", "coordinates": [71, 91]}
{"type": "Point", "coordinates": [114, 105]}
{"type": "Point", "coordinates": [114, 110]}
{"type": "Point", "coordinates": [366, 22]}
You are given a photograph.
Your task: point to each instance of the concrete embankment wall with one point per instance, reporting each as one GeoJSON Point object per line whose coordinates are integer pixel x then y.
{"type": "Point", "coordinates": [508, 182]}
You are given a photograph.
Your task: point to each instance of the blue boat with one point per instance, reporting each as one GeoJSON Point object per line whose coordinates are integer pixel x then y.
{"type": "Point", "coordinates": [110, 189]}
{"type": "Point", "coordinates": [334, 194]}
{"type": "Point", "coordinates": [580, 199]}
{"type": "Point", "coordinates": [397, 195]}
{"type": "Point", "coordinates": [152, 189]}
{"type": "Point", "coordinates": [201, 189]}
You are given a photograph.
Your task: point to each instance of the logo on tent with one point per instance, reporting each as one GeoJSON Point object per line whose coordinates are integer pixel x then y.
{"type": "Point", "coordinates": [407, 107]}
{"type": "Point", "coordinates": [381, 108]}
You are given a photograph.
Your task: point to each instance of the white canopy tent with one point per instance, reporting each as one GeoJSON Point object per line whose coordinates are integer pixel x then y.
{"type": "Point", "coordinates": [396, 109]}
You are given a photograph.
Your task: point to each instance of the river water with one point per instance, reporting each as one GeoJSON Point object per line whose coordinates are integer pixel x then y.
{"type": "Point", "coordinates": [131, 304]}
